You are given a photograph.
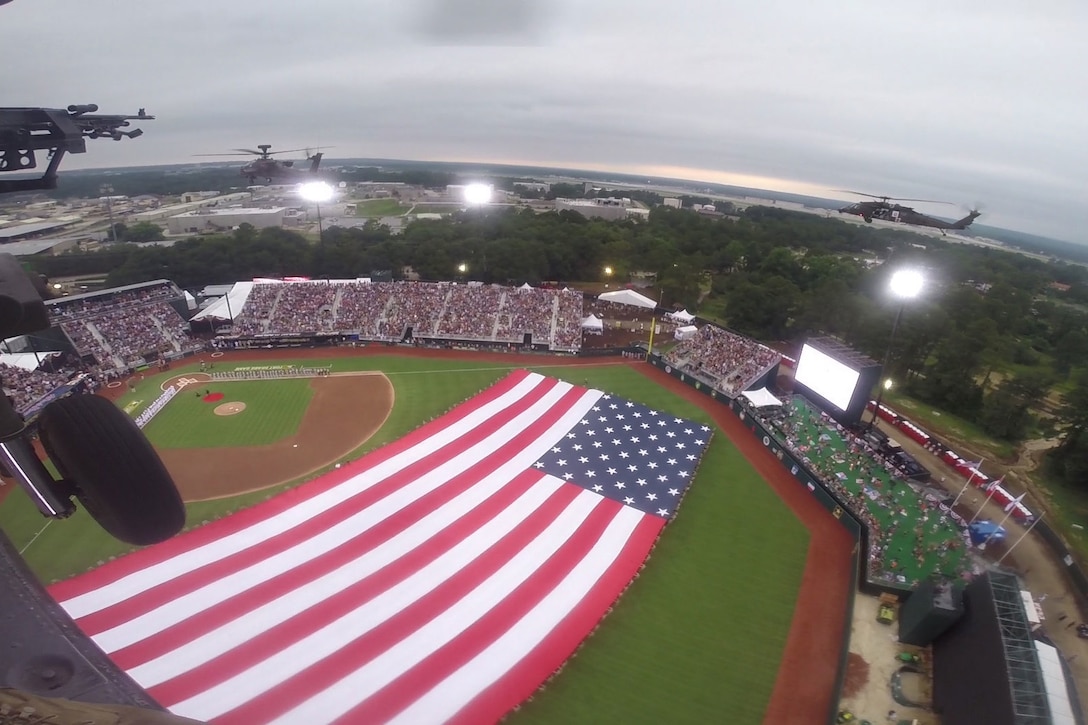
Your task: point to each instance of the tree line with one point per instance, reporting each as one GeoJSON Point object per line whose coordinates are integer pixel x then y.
{"type": "Point", "coordinates": [990, 340]}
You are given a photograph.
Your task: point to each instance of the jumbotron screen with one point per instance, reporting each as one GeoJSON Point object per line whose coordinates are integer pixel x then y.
{"type": "Point", "coordinates": [826, 376]}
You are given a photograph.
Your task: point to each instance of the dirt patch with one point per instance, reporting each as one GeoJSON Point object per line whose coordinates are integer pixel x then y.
{"type": "Point", "coordinates": [344, 412]}
{"type": "Point", "coordinates": [229, 408]}
{"type": "Point", "coordinates": [857, 675]}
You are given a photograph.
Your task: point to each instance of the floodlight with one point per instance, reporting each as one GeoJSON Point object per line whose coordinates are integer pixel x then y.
{"type": "Point", "coordinates": [888, 384]}
{"type": "Point", "coordinates": [462, 268]}
{"type": "Point", "coordinates": [608, 271]}
{"type": "Point", "coordinates": [906, 283]}
{"type": "Point", "coordinates": [316, 191]}
{"type": "Point", "coordinates": [478, 193]}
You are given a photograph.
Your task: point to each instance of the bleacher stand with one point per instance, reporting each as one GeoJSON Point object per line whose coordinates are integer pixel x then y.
{"type": "Point", "coordinates": [384, 311]}
{"type": "Point", "coordinates": [26, 386]}
{"type": "Point", "coordinates": [724, 359]}
{"type": "Point", "coordinates": [126, 329]}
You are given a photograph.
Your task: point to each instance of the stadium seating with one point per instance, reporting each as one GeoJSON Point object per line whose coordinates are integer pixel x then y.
{"type": "Point", "coordinates": [725, 359]}
{"type": "Point", "coordinates": [27, 386]}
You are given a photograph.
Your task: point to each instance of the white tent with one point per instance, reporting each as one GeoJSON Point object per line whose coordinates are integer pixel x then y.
{"type": "Point", "coordinates": [686, 332]}
{"type": "Point", "coordinates": [593, 325]}
{"type": "Point", "coordinates": [25, 360]}
{"type": "Point", "coordinates": [761, 398]}
{"type": "Point", "coordinates": [229, 305]}
{"type": "Point", "coordinates": [681, 316]}
{"type": "Point", "coordinates": [190, 301]}
{"type": "Point", "coordinates": [628, 297]}
{"type": "Point", "coordinates": [525, 285]}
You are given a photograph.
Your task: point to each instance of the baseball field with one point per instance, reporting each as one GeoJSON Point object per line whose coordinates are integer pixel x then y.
{"type": "Point", "coordinates": [718, 628]}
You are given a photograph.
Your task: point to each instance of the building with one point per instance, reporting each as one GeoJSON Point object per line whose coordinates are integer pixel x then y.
{"type": "Point", "coordinates": [29, 231]}
{"type": "Point", "coordinates": [532, 186]}
{"type": "Point", "coordinates": [165, 212]}
{"type": "Point", "coordinates": [44, 247]}
{"type": "Point", "coordinates": [204, 220]}
{"type": "Point", "coordinates": [673, 202]}
{"type": "Point", "coordinates": [611, 208]}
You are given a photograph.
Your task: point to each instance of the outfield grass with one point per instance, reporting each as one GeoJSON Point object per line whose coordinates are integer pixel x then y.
{"type": "Point", "coordinates": [274, 410]}
{"type": "Point", "coordinates": [379, 208]}
{"type": "Point", "coordinates": [697, 638]}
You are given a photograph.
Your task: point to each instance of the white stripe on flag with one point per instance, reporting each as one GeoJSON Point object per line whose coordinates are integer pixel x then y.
{"type": "Point", "coordinates": [188, 561]}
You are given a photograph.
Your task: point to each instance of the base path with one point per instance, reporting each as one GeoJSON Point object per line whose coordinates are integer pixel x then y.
{"type": "Point", "coordinates": [344, 412]}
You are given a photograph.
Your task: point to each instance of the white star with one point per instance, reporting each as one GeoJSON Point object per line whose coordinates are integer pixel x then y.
{"type": "Point", "coordinates": [670, 434]}
{"type": "Point", "coordinates": [680, 445]}
{"type": "Point", "coordinates": [671, 461]}
{"type": "Point", "coordinates": [653, 436]}
{"type": "Point", "coordinates": [597, 444]}
{"type": "Point", "coordinates": [617, 442]}
{"type": "Point", "coordinates": [602, 418]}
{"type": "Point", "coordinates": [652, 464]}
{"type": "Point", "coordinates": [611, 471]}
{"type": "Point", "coordinates": [662, 512]}
{"type": "Point", "coordinates": [597, 488]}
{"type": "Point", "coordinates": [663, 422]}
{"type": "Point", "coordinates": [651, 496]}
{"type": "Point", "coordinates": [630, 404]}
{"type": "Point", "coordinates": [591, 432]}
{"type": "Point", "coordinates": [661, 449]}
{"type": "Point", "coordinates": [641, 481]}
{"type": "Point", "coordinates": [606, 397]}
{"type": "Point", "coordinates": [674, 492]}
{"type": "Point", "coordinates": [596, 408]}
{"type": "Point", "coordinates": [583, 421]}
{"type": "Point", "coordinates": [590, 474]}
{"type": "Point", "coordinates": [634, 439]}
{"type": "Point", "coordinates": [637, 414]}
{"type": "Point", "coordinates": [699, 442]}
{"type": "Point", "coordinates": [678, 421]}
{"type": "Point", "coordinates": [644, 425]}
{"type": "Point", "coordinates": [691, 456]}
{"type": "Point", "coordinates": [538, 464]}
{"type": "Point", "coordinates": [624, 454]}
{"type": "Point", "coordinates": [662, 478]}
{"type": "Point", "coordinates": [568, 476]}
{"type": "Point", "coordinates": [556, 449]}
{"type": "Point", "coordinates": [628, 500]}
{"type": "Point", "coordinates": [613, 406]}
{"type": "Point", "coordinates": [682, 474]}
{"type": "Point", "coordinates": [583, 459]}
{"type": "Point", "coordinates": [560, 462]}
{"type": "Point", "coordinates": [632, 468]}
{"type": "Point", "coordinates": [620, 484]}
{"type": "Point", "coordinates": [619, 416]}
{"type": "Point", "coordinates": [571, 435]}
{"type": "Point", "coordinates": [627, 427]}
{"type": "Point", "coordinates": [607, 430]}
{"type": "Point", "coordinates": [643, 452]}
{"type": "Point", "coordinates": [604, 456]}
{"type": "Point", "coordinates": [577, 446]}
{"type": "Point", "coordinates": [688, 431]}
{"type": "Point", "coordinates": [705, 427]}
{"type": "Point", "coordinates": [653, 412]}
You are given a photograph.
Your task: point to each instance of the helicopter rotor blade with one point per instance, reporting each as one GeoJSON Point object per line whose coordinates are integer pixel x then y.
{"type": "Point", "coordinates": [218, 154]}
{"type": "Point", "coordinates": [862, 193]}
{"type": "Point", "coordinates": [891, 198]}
{"type": "Point", "coordinates": [305, 150]}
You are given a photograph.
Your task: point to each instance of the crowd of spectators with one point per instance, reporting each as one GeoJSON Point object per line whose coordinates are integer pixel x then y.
{"type": "Point", "coordinates": [910, 536]}
{"type": "Point", "coordinates": [125, 329]}
{"type": "Point", "coordinates": [26, 387]}
{"type": "Point", "coordinates": [384, 311]}
{"type": "Point", "coordinates": [728, 360]}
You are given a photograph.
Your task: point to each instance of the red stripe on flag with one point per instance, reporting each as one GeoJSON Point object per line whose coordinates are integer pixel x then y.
{"type": "Point", "coordinates": [522, 680]}
{"type": "Point", "coordinates": [189, 582]}
{"type": "Point", "coordinates": [216, 530]}
{"type": "Point", "coordinates": [398, 695]}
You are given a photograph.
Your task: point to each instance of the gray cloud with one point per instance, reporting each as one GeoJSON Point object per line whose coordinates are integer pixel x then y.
{"type": "Point", "coordinates": [965, 100]}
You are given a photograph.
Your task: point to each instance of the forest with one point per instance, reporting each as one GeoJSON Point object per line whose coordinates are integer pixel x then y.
{"type": "Point", "coordinates": [991, 339]}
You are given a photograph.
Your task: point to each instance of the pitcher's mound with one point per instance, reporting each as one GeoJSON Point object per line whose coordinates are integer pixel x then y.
{"type": "Point", "coordinates": [230, 408]}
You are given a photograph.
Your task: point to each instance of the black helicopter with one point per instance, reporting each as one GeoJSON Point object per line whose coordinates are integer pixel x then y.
{"type": "Point", "coordinates": [882, 209]}
{"type": "Point", "coordinates": [273, 170]}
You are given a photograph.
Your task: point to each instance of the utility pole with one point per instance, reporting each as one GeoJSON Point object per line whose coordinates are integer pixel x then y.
{"type": "Point", "coordinates": [107, 191]}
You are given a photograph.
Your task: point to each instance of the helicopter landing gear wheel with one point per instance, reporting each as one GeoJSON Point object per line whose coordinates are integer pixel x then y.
{"type": "Point", "coordinates": [114, 471]}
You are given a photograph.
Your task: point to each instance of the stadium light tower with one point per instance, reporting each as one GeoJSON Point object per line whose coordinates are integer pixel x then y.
{"type": "Point", "coordinates": [478, 194]}
{"type": "Point", "coordinates": [317, 192]}
{"type": "Point", "coordinates": [905, 284]}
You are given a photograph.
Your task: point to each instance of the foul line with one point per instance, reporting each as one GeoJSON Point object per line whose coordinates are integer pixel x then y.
{"type": "Point", "coordinates": [49, 521]}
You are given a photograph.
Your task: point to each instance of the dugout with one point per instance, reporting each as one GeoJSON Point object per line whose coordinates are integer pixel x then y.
{"type": "Point", "coordinates": [987, 667]}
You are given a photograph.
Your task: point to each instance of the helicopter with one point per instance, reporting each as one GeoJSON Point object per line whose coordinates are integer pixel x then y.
{"type": "Point", "coordinates": [266, 167]}
{"type": "Point", "coordinates": [882, 209]}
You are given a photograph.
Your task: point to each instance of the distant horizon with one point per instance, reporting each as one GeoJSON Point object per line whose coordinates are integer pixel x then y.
{"type": "Point", "coordinates": [588, 174]}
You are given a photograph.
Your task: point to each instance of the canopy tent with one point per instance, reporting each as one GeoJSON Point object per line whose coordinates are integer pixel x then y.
{"type": "Point", "coordinates": [25, 360]}
{"type": "Point", "coordinates": [686, 332]}
{"type": "Point", "coordinates": [628, 297]}
{"type": "Point", "coordinates": [525, 285]}
{"type": "Point", "coordinates": [681, 316]}
{"type": "Point", "coordinates": [228, 306]}
{"type": "Point", "coordinates": [190, 301]}
{"type": "Point", "coordinates": [593, 324]}
{"type": "Point", "coordinates": [761, 398]}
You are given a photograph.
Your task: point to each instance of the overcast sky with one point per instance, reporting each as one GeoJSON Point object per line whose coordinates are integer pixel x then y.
{"type": "Point", "coordinates": [963, 100]}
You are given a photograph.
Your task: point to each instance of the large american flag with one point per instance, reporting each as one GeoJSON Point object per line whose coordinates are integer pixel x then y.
{"type": "Point", "coordinates": [442, 578]}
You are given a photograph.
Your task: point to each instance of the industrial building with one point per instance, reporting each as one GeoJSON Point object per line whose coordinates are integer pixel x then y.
{"type": "Point", "coordinates": [165, 212]}
{"type": "Point", "coordinates": [610, 208]}
{"type": "Point", "coordinates": [204, 220]}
